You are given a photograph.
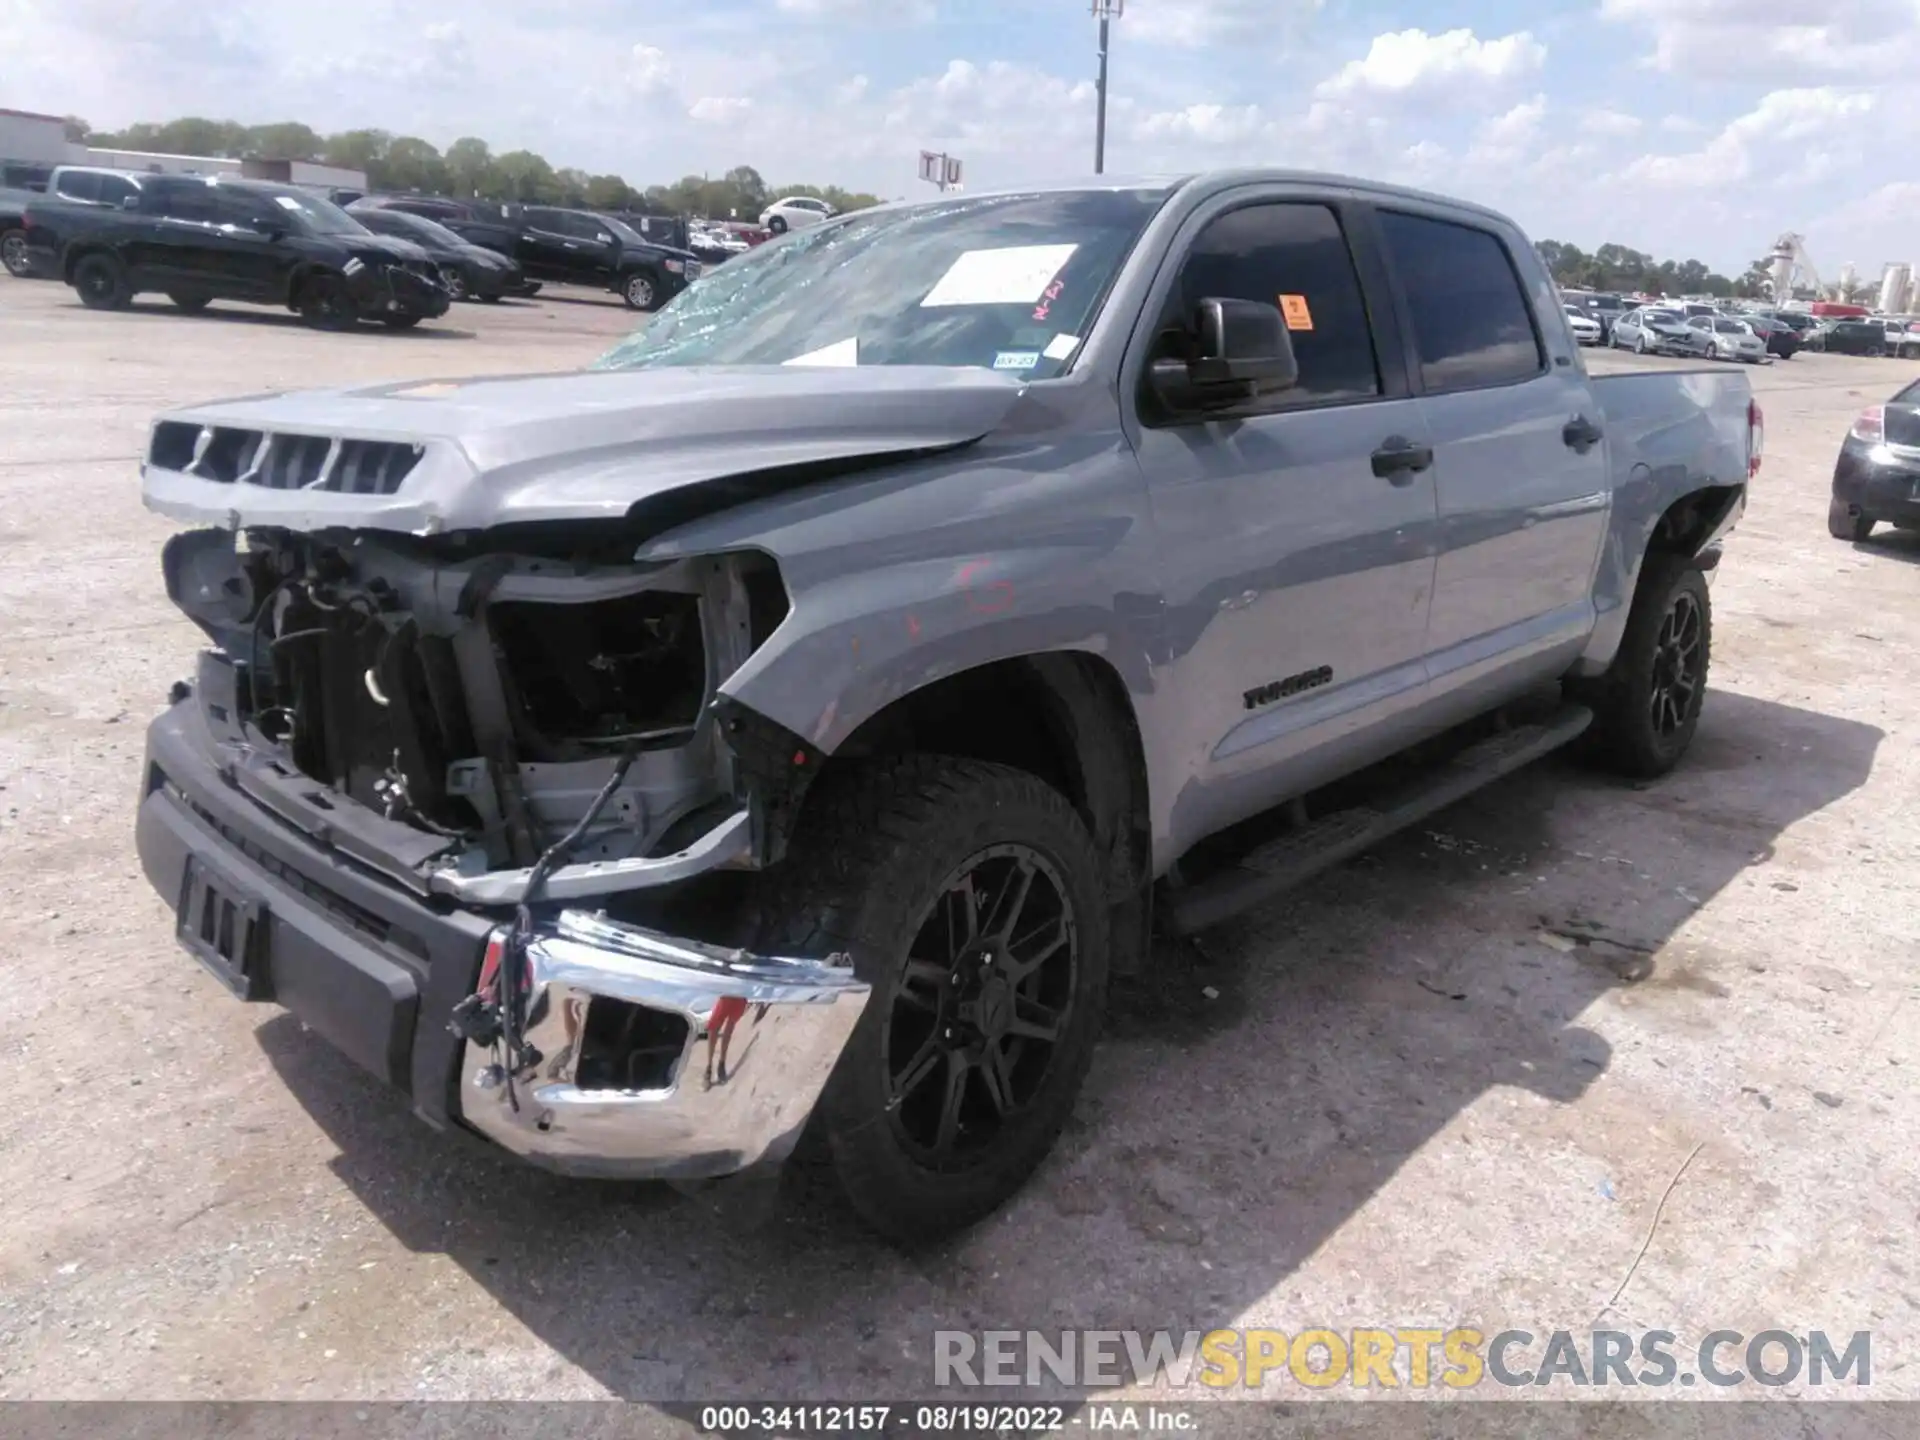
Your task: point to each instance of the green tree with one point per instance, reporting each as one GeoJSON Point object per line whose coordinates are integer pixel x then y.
{"type": "Point", "coordinates": [469, 162]}
{"type": "Point", "coordinates": [77, 130]}
{"type": "Point", "coordinates": [283, 140]}
{"type": "Point", "coordinates": [409, 164]}
{"type": "Point", "coordinates": [356, 149]}
{"type": "Point", "coordinates": [610, 192]}
{"type": "Point", "coordinates": [521, 175]}
{"type": "Point", "coordinates": [193, 135]}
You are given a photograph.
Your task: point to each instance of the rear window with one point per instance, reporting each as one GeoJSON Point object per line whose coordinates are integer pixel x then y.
{"type": "Point", "coordinates": [1470, 315]}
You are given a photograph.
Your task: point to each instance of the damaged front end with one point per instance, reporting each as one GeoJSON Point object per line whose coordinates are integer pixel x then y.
{"type": "Point", "coordinates": [533, 745]}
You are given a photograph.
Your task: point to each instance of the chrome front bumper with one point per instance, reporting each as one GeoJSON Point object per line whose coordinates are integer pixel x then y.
{"type": "Point", "coordinates": [731, 1091]}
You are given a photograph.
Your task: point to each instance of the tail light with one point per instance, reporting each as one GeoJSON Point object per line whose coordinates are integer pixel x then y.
{"type": "Point", "coordinates": [1870, 427]}
{"type": "Point", "coordinates": [1756, 437]}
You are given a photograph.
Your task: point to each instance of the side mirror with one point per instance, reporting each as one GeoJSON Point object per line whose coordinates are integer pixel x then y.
{"type": "Point", "coordinates": [129, 202]}
{"type": "Point", "coordinates": [604, 239]}
{"type": "Point", "coordinates": [1240, 351]}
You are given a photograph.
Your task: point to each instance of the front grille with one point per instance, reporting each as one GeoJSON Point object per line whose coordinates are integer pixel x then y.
{"type": "Point", "coordinates": [282, 462]}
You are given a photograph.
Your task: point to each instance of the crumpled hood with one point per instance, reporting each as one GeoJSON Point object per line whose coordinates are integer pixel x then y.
{"type": "Point", "coordinates": [577, 446]}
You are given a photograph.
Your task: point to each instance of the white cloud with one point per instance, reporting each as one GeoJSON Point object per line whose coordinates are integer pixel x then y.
{"type": "Point", "coordinates": [1789, 131]}
{"type": "Point", "coordinates": [1410, 62]}
{"type": "Point", "coordinates": [648, 69]}
{"type": "Point", "coordinates": [1611, 122]}
{"type": "Point", "coordinates": [714, 108]}
{"type": "Point", "coordinates": [1193, 24]}
{"type": "Point", "coordinates": [1726, 38]}
{"type": "Point", "coordinates": [870, 10]}
{"type": "Point", "coordinates": [1204, 124]}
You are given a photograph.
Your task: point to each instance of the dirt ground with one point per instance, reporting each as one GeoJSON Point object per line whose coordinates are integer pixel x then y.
{"type": "Point", "coordinates": [1450, 1085]}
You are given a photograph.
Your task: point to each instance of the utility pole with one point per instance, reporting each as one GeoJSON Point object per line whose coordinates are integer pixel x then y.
{"type": "Point", "coordinates": [1106, 12]}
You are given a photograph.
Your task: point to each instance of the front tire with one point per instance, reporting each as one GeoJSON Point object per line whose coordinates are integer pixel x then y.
{"type": "Point", "coordinates": [641, 291]}
{"type": "Point", "coordinates": [777, 225]}
{"type": "Point", "coordinates": [325, 304]}
{"type": "Point", "coordinates": [13, 254]}
{"type": "Point", "coordinates": [1844, 524]}
{"type": "Point", "coordinates": [455, 282]}
{"type": "Point", "coordinates": [102, 283]}
{"type": "Point", "coordinates": [971, 899]}
{"type": "Point", "coordinates": [1647, 706]}
{"type": "Point", "coordinates": [1640, 343]}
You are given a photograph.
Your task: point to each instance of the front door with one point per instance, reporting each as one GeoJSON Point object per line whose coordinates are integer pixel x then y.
{"type": "Point", "coordinates": [1295, 542]}
{"type": "Point", "coordinates": [1519, 461]}
{"type": "Point", "coordinates": [543, 248]}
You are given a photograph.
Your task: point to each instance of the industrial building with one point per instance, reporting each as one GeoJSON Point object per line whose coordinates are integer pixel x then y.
{"type": "Point", "coordinates": [31, 145]}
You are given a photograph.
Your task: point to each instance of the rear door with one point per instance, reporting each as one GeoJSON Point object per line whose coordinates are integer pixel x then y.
{"type": "Point", "coordinates": [1296, 567]}
{"type": "Point", "coordinates": [1519, 463]}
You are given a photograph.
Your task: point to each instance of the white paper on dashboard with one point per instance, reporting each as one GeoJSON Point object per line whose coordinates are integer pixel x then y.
{"type": "Point", "coordinates": [841, 352]}
{"type": "Point", "coordinates": [1016, 275]}
{"type": "Point", "coordinates": [1061, 346]}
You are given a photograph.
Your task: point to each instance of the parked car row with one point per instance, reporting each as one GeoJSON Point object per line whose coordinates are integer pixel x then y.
{"type": "Point", "coordinates": [398, 259]}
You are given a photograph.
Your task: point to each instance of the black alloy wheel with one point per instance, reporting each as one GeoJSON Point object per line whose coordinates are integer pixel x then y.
{"type": "Point", "coordinates": [985, 993]}
{"type": "Point", "coordinates": [101, 282]}
{"type": "Point", "coordinates": [455, 282]}
{"type": "Point", "coordinates": [1676, 666]}
{"type": "Point", "coordinates": [13, 254]}
{"type": "Point", "coordinates": [974, 904]}
{"type": "Point", "coordinates": [326, 305]}
{"type": "Point", "coordinates": [1647, 705]}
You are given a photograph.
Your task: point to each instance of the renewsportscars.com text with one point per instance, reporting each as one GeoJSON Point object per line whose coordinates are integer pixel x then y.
{"type": "Point", "coordinates": [1415, 1358]}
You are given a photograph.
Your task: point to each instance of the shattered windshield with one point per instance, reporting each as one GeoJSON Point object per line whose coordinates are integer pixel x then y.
{"type": "Point", "coordinates": [1005, 282]}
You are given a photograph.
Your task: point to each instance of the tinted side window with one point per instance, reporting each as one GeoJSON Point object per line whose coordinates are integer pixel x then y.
{"type": "Point", "coordinates": [115, 189]}
{"type": "Point", "coordinates": [545, 220]}
{"type": "Point", "coordinates": [1470, 316]}
{"type": "Point", "coordinates": [1296, 251]}
{"type": "Point", "coordinates": [81, 186]}
{"type": "Point", "coordinates": [185, 200]}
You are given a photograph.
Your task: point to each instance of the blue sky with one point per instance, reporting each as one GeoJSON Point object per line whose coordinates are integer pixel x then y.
{"type": "Point", "coordinates": [1688, 128]}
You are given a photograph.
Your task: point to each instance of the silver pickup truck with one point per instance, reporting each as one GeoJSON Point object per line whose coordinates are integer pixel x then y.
{"type": "Point", "coordinates": [796, 718]}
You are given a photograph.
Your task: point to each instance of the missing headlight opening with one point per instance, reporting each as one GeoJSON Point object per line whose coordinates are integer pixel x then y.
{"type": "Point", "coordinates": [627, 671]}
{"type": "Point", "coordinates": [480, 700]}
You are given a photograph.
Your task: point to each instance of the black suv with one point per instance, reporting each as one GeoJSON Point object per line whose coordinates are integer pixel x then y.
{"type": "Point", "coordinates": [199, 240]}
{"type": "Point", "coordinates": [578, 247]}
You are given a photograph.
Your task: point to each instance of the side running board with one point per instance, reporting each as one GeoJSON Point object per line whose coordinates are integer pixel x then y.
{"type": "Point", "coordinates": [1281, 864]}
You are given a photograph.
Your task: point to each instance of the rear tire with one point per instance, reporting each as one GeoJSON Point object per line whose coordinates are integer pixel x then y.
{"type": "Point", "coordinates": [887, 855]}
{"type": "Point", "coordinates": [1844, 524]}
{"type": "Point", "coordinates": [1647, 706]}
{"type": "Point", "coordinates": [102, 283]}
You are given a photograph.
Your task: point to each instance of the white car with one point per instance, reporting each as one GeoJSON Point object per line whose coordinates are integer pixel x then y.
{"type": "Point", "coordinates": [796, 212]}
{"type": "Point", "coordinates": [1732, 339]}
{"type": "Point", "coordinates": [1586, 329]}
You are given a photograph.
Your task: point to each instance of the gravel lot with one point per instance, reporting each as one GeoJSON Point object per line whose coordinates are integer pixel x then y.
{"type": "Point", "coordinates": [1449, 1086]}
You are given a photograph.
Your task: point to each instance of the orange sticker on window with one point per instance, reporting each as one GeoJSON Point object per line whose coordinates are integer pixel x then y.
{"type": "Point", "coordinates": [1294, 308]}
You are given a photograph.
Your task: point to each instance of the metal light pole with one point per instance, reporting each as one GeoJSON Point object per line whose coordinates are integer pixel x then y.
{"type": "Point", "coordinates": [1106, 12]}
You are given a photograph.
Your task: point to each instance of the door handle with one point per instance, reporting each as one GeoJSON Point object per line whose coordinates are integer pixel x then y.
{"type": "Point", "coordinates": [1398, 459]}
{"type": "Point", "coordinates": [1581, 434]}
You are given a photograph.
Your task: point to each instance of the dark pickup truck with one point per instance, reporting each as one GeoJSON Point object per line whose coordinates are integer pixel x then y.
{"type": "Point", "coordinates": [559, 246]}
{"type": "Point", "coordinates": [199, 240]}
